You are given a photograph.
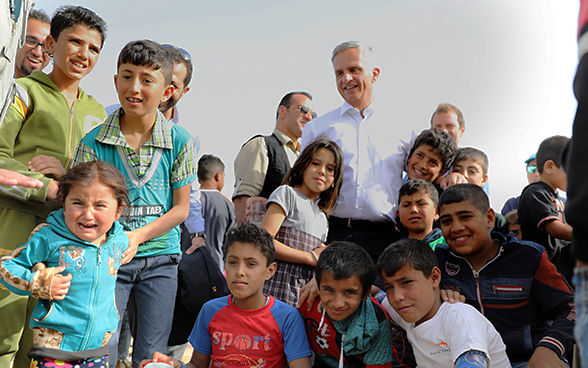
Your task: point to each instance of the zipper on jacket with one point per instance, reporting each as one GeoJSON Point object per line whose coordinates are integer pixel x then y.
{"type": "Point", "coordinates": [507, 289]}
{"type": "Point", "coordinates": [93, 301]}
{"type": "Point", "coordinates": [71, 132]}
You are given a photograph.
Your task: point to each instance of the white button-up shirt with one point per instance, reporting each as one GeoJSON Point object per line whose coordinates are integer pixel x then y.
{"type": "Point", "coordinates": [374, 159]}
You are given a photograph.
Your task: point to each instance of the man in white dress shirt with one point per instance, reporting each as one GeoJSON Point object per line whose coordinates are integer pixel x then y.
{"type": "Point", "coordinates": [366, 131]}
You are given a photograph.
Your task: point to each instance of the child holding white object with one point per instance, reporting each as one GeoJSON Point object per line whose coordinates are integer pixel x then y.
{"type": "Point", "coordinates": [81, 249]}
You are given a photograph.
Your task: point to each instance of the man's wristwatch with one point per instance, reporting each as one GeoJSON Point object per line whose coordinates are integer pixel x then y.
{"type": "Point", "coordinates": [198, 235]}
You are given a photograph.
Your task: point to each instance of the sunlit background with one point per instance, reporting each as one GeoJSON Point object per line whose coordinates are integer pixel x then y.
{"type": "Point", "coordinates": [508, 65]}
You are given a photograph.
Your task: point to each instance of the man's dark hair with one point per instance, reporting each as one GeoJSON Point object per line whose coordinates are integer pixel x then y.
{"type": "Point", "coordinates": [551, 149]}
{"type": "Point", "coordinates": [150, 54]}
{"type": "Point", "coordinates": [465, 192]}
{"type": "Point", "coordinates": [208, 166]}
{"type": "Point", "coordinates": [254, 235]}
{"type": "Point", "coordinates": [285, 101]}
{"type": "Point", "coordinates": [414, 185]}
{"type": "Point", "coordinates": [414, 252]}
{"type": "Point", "coordinates": [344, 260]}
{"type": "Point", "coordinates": [39, 15]}
{"type": "Point", "coordinates": [442, 143]}
{"type": "Point", "coordinates": [67, 16]}
{"type": "Point", "coordinates": [475, 154]}
{"type": "Point", "coordinates": [181, 59]}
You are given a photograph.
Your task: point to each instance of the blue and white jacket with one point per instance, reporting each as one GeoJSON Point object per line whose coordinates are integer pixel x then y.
{"type": "Point", "coordinates": [87, 317]}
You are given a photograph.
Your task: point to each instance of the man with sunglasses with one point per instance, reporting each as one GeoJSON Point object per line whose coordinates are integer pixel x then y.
{"type": "Point", "coordinates": [32, 55]}
{"type": "Point", "coordinates": [263, 161]}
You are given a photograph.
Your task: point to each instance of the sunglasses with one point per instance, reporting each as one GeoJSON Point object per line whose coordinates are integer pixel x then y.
{"type": "Point", "coordinates": [305, 110]}
{"type": "Point", "coordinates": [185, 54]}
{"type": "Point", "coordinates": [531, 169]}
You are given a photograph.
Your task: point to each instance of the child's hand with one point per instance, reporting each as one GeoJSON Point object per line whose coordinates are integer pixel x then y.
{"type": "Point", "coordinates": [452, 179]}
{"type": "Point", "coordinates": [47, 165]}
{"type": "Point", "coordinates": [452, 296]}
{"type": "Point", "coordinates": [161, 358]}
{"type": "Point", "coordinates": [130, 252]}
{"type": "Point", "coordinates": [60, 284]}
{"type": "Point", "coordinates": [309, 291]}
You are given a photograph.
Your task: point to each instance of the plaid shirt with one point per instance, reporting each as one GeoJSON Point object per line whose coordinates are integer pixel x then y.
{"type": "Point", "coordinates": [110, 133]}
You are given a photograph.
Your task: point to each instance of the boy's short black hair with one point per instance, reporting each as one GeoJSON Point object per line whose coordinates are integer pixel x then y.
{"type": "Point", "coordinates": [208, 166]}
{"type": "Point", "coordinates": [550, 149]}
{"type": "Point", "coordinates": [414, 185]}
{"type": "Point", "coordinates": [442, 143]}
{"type": "Point", "coordinates": [475, 154]}
{"type": "Point", "coordinates": [512, 217]}
{"type": "Point", "coordinates": [344, 260]}
{"type": "Point", "coordinates": [251, 234]}
{"type": "Point", "coordinates": [67, 16]}
{"type": "Point", "coordinates": [414, 252]}
{"type": "Point", "coordinates": [465, 192]}
{"type": "Point", "coordinates": [147, 53]}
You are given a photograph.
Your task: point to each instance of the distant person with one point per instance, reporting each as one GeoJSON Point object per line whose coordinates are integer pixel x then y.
{"type": "Point", "coordinates": [247, 327]}
{"type": "Point", "coordinates": [297, 217]}
{"type": "Point", "coordinates": [449, 118]}
{"type": "Point", "coordinates": [541, 211]}
{"type": "Point", "coordinates": [33, 55]}
{"type": "Point", "coordinates": [417, 211]}
{"type": "Point", "coordinates": [219, 217]}
{"type": "Point", "coordinates": [76, 312]}
{"type": "Point", "coordinates": [442, 334]}
{"type": "Point", "coordinates": [158, 160]}
{"type": "Point", "coordinates": [263, 161]}
{"type": "Point", "coordinates": [514, 227]}
{"type": "Point", "coordinates": [511, 282]}
{"type": "Point", "coordinates": [37, 139]}
{"type": "Point", "coordinates": [366, 130]}
{"type": "Point", "coordinates": [218, 211]}
{"type": "Point", "coordinates": [472, 164]}
{"type": "Point", "coordinates": [351, 329]}
{"type": "Point", "coordinates": [532, 176]}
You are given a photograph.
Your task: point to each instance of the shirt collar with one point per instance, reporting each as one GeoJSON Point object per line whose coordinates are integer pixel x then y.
{"type": "Point", "coordinates": [110, 132]}
{"type": "Point", "coordinates": [368, 112]}
{"type": "Point", "coordinates": [285, 140]}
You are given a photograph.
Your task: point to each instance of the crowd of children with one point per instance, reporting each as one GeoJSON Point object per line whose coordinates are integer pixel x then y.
{"type": "Point", "coordinates": [124, 188]}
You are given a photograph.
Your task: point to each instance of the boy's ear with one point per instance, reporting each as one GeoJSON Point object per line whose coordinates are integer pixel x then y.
{"type": "Point", "coordinates": [167, 93]}
{"type": "Point", "coordinates": [116, 82]}
{"type": "Point", "coordinates": [271, 270]}
{"type": "Point", "coordinates": [491, 217]}
{"type": "Point", "coordinates": [217, 176]}
{"type": "Point", "coordinates": [548, 167]}
{"type": "Point", "coordinates": [435, 276]}
{"type": "Point", "coordinates": [49, 44]}
{"type": "Point", "coordinates": [436, 217]}
{"type": "Point", "coordinates": [485, 180]}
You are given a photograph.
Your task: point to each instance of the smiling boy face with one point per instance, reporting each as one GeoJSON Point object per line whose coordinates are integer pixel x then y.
{"type": "Point", "coordinates": [417, 212]}
{"type": "Point", "coordinates": [467, 231]}
{"type": "Point", "coordinates": [424, 163]}
{"type": "Point", "coordinates": [471, 170]}
{"type": "Point", "coordinates": [340, 298]}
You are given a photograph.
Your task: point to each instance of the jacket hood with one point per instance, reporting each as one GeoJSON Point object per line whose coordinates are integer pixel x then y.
{"type": "Point", "coordinates": [57, 222]}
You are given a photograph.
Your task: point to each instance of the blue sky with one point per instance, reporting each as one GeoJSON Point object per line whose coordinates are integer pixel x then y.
{"type": "Point", "coordinates": [508, 65]}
